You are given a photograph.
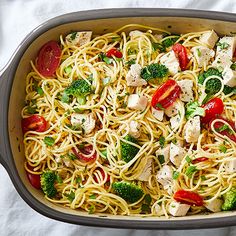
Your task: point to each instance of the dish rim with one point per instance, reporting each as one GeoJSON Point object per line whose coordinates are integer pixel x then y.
{"type": "Point", "coordinates": [6, 155]}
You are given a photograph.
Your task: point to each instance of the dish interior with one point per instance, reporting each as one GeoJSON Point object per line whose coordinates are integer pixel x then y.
{"type": "Point", "coordinates": [173, 24]}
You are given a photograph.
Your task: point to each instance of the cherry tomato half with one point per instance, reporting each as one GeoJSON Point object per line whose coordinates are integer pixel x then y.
{"type": "Point", "coordinates": [33, 178]}
{"type": "Point", "coordinates": [34, 123]}
{"type": "Point", "coordinates": [181, 54]}
{"type": "Point", "coordinates": [103, 175]}
{"type": "Point", "coordinates": [213, 108]}
{"type": "Point", "coordinates": [114, 52]}
{"type": "Point", "coordinates": [188, 197]}
{"type": "Point", "coordinates": [166, 95]}
{"type": "Point", "coordinates": [84, 153]}
{"type": "Point", "coordinates": [200, 159]}
{"type": "Point", "coordinates": [225, 130]}
{"type": "Point", "coordinates": [49, 58]}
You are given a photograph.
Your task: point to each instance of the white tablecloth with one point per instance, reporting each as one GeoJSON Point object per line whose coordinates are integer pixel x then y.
{"type": "Point", "coordinates": [19, 17]}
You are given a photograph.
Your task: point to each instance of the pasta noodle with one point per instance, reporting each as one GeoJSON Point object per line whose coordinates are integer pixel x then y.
{"type": "Point", "coordinates": [88, 185]}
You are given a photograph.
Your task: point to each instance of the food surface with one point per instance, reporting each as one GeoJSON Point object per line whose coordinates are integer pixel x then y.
{"type": "Point", "coordinates": [134, 122]}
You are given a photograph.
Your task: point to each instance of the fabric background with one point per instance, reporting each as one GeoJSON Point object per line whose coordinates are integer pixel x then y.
{"type": "Point", "coordinates": [17, 19]}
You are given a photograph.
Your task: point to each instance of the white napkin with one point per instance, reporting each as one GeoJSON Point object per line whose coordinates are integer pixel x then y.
{"type": "Point", "coordinates": [17, 19]}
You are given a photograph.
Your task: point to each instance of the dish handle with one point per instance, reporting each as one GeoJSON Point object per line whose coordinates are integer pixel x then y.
{"type": "Point", "coordinates": [4, 75]}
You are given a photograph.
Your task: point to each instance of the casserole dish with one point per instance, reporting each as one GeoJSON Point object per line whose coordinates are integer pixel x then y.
{"type": "Point", "coordinates": [12, 87]}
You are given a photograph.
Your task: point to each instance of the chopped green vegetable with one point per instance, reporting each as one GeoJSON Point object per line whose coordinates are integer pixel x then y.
{"type": "Point", "coordinates": [78, 180]}
{"type": "Point", "coordinates": [203, 177]}
{"type": "Point", "coordinates": [154, 71]}
{"type": "Point", "coordinates": [47, 180]}
{"type": "Point", "coordinates": [130, 62]}
{"type": "Point", "coordinates": [199, 52]}
{"type": "Point", "coordinates": [223, 148]}
{"type": "Point", "coordinates": [115, 39]}
{"type": "Point", "coordinates": [193, 109]}
{"type": "Point", "coordinates": [223, 45]}
{"type": "Point", "coordinates": [175, 175]}
{"type": "Point", "coordinates": [72, 156]}
{"type": "Point", "coordinates": [128, 151]}
{"type": "Point", "coordinates": [148, 199]}
{"type": "Point", "coordinates": [79, 89]}
{"type": "Point", "coordinates": [188, 159]}
{"type": "Point", "coordinates": [104, 153]}
{"type": "Point", "coordinates": [68, 69]}
{"type": "Point", "coordinates": [73, 35]}
{"type": "Point", "coordinates": [229, 200]}
{"type": "Point", "coordinates": [190, 170]}
{"type": "Point", "coordinates": [158, 46]}
{"type": "Point", "coordinates": [169, 41]}
{"type": "Point", "coordinates": [162, 141]}
{"type": "Point", "coordinates": [91, 209]}
{"type": "Point", "coordinates": [104, 58]}
{"type": "Point", "coordinates": [70, 196]}
{"type": "Point", "coordinates": [161, 159]}
{"type": "Point", "coordinates": [128, 191]}
{"type": "Point", "coordinates": [233, 66]}
{"type": "Point", "coordinates": [93, 196]}
{"type": "Point", "coordinates": [31, 109]}
{"type": "Point", "coordinates": [49, 141]}
{"type": "Point", "coordinates": [158, 105]}
{"type": "Point", "coordinates": [59, 179]}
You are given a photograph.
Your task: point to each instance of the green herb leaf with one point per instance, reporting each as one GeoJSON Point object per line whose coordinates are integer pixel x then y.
{"type": "Point", "coordinates": [104, 153]}
{"type": "Point", "coordinates": [31, 109]}
{"type": "Point", "coordinates": [158, 105]}
{"type": "Point", "coordinates": [72, 156]}
{"type": "Point", "coordinates": [188, 159]}
{"type": "Point", "coordinates": [203, 177]}
{"type": "Point", "coordinates": [70, 196]}
{"type": "Point", "coordinates": [223, 128]}
{"type": "Point", "coordinates": [104, 58]}
{"type": "Point", "coordinates": [162, 141]}
{"type": "Point", "coordinates": [93, 196]}
{"type": "Point", "coordinates": [223, 148]}
{"type": "Point", "coordinates": [159, 47]}
{"type": "Point", "coordinates": [78, 180]}
{"type": "Point", "coordinates": [115, 39]}
{"type": "Point", "coordinates": [223, 45]}
{"type": "Point", "coordinates": [73, 35]}
{"type": "Point", "coordinates": [148, 199]}
{"type": "Point", "coordinates": [68, 69]}
{"type": "Point", "coordinates": [130, 62]}
{"type": "Point", "coordinates": [49, 141]}
{"type": "Point", "coordinates": [190, 170]}
{"type": "Point", "coordinates": [175, 175]}
{"type": "Point", "coordinates": [161, 159]}
{"type": "Point", "coordinates": [233, 66]}
{"type": "Point", "coordinates": [91, 209]}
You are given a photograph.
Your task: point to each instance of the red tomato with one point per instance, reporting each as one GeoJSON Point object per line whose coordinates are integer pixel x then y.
{"type": "Point", "coordinates": [166, 94]}
{"type": "Point", "coordinates": [49, 58]}
{"type": "Point", "coordinates": [213, 108]}
{"type": "Point", "coordinates": [227, 132]}
{"type": "Point", "coordinates": [200, 159]}
{"type": "Point", "coordinates": [103, 175]}
{"type": "Point", "coordinates": [84, 152]}
{"type": "Point", "coordinates": [34, 123]}
{"type": "Point", "coordinates": [33, 178]}
{"type": "Point", "coordinates": [114, 52]}
{"type": "Point", "coordinates": [188, 197]}
{"type": "Point", "coordinates": [181, 54]}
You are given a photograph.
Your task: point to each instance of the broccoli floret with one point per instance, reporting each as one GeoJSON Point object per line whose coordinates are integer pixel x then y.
{"type": "Point", "coordinates": [229, 200]}
{"type": "Point", "coordinates": [169, 41]}
{"type": "Point", "coordinates": [154, 71]}
{"type": "Point", "coordinates": [128, 191]}
{"type": "Point", "coordinates": [47, 180]}
{"type": "Point", "coordinates": [212, 85]}
{"type": "Point", "coordinates": [128, 151]}
{"type": "Point", "coordinates": [228, 90]}
{"type": "Point", "coordinates": [193, 109]}
{"type": "Point", "coordinates": [79, 89]}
